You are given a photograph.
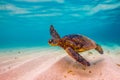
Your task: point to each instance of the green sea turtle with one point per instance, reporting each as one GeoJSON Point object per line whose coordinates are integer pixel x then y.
{"type": "Point", "coordinates": [73, 44]}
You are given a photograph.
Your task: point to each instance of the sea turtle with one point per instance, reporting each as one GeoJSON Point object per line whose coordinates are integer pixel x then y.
{"type": "Point", "coordinates": [73, 44]}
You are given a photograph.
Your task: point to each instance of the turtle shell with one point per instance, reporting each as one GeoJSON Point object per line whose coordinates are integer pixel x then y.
{"type": "Point", "coordinates": [79, 43]}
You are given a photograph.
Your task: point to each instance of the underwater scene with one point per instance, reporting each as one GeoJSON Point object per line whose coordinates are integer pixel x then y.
{"type": "Point", "coordinates": [59, 40]}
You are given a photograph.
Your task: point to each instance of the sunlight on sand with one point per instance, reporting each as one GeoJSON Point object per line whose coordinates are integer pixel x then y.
{"type": "Point", "coordinates": [55, 64]}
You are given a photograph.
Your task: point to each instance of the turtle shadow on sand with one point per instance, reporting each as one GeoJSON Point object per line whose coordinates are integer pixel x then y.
{"type": "Point", "coordinates": [68, 69]}
{"type": "Point", "coordinates": [67, 65]}
{"type": "Point", "coordinates": [97, 61]}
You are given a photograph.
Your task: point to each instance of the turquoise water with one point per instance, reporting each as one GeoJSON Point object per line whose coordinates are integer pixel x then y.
{"type": "Point", "coordinates": [25, 23]}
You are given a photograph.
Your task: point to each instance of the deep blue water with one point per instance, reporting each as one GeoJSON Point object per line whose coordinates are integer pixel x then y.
{"type": "Point", "coordinates": [27, 22]}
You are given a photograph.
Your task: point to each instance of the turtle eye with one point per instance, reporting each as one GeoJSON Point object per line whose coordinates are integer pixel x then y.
{"type": "Point", "coordinates": [50, 41]}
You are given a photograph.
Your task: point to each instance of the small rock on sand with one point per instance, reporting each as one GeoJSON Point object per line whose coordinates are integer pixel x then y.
{"type": "Point", "coordinates": [83, 68]}
{"type": "Point", "coordinates": [65, 76]}
{"type": "Point", "coordinates": [90, 72]}
{"type": "Point", "coordinates": [70, 71]}
{"type": "Point", "coordinates": [15, 58]}
{"type": "Point", "coordinates": [90, 53]}
{"type": "Point", "coordinates": [19, 52]}
{"type": "Point", "coordinates": [118, 65]}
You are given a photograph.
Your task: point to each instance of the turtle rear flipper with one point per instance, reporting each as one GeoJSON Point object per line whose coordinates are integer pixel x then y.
{"type": "Point", "coordinates": [99, 49]}
{"type": "Point", "coordinates": [54, 33]}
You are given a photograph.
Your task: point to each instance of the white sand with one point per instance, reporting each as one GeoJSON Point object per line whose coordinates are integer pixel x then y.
{"type": "Point", "coordinates": [54, 64]}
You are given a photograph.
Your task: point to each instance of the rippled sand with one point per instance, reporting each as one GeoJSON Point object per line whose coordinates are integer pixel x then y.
{"type": "Point", "coordinates": [55, 64]}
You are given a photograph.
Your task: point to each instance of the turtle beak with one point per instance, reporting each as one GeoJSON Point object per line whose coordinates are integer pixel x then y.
{"type": "Point", "coordinates": [52, 42]}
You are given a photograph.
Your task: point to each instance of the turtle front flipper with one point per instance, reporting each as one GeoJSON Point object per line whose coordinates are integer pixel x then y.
{"type": "Point", "coordinates": [99, 49]}
{"type": "Point", "coordinates": [53, 33]}
{"type": "Point", "coordinates": [77, 56]}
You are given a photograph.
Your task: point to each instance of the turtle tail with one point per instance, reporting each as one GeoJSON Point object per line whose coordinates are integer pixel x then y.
{"type": "Point", "coordinates": [99, 49]}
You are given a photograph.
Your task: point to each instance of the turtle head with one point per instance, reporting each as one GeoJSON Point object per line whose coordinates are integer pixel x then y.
{"type": "Point", "coordinates": [53, 42]}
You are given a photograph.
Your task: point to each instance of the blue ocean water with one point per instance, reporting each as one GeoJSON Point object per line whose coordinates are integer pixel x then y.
{"type": "Point", "coordinates": [27, 22]}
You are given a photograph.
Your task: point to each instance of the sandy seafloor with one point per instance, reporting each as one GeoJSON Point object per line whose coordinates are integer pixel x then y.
{"type": "Point", "coordinates": [52, 63]}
